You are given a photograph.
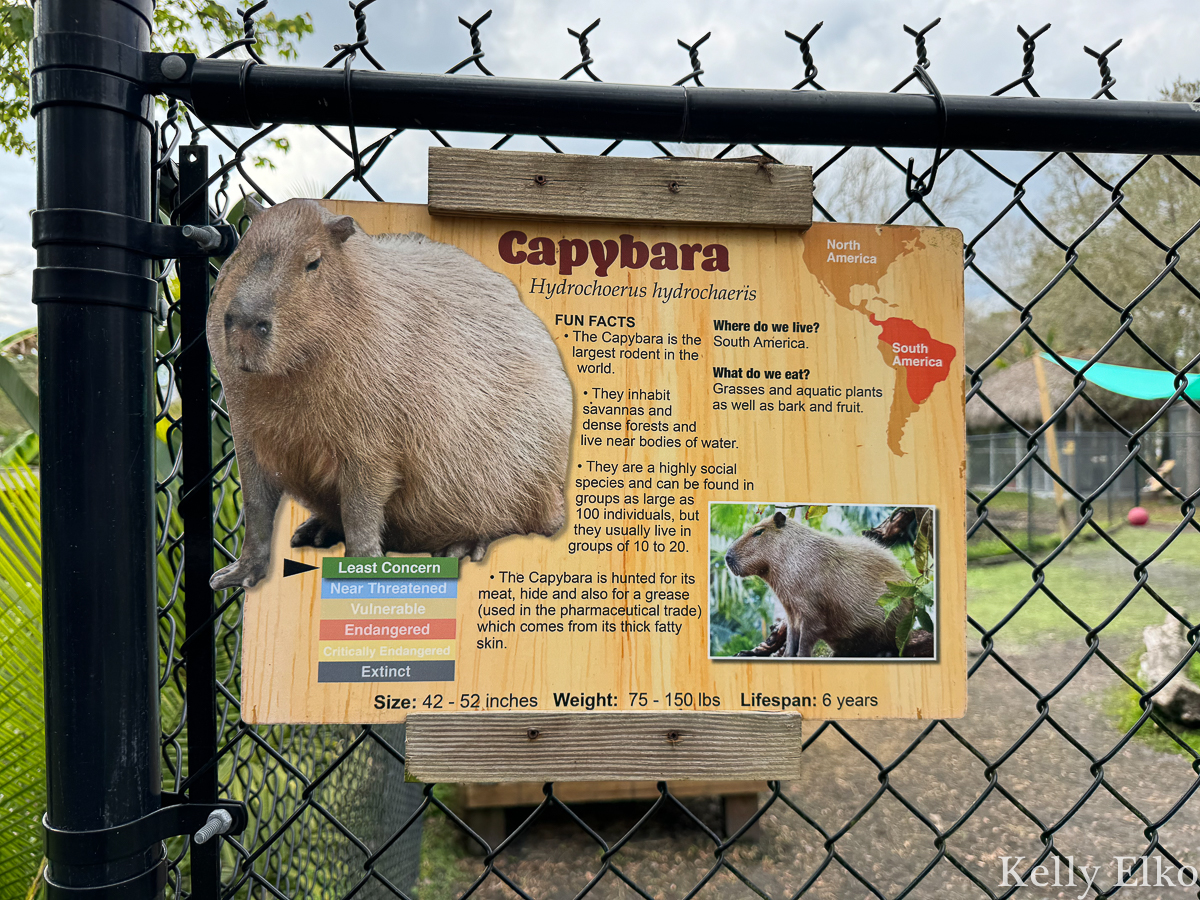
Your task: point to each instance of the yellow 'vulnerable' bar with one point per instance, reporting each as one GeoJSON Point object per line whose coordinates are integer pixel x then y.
{"type": "Point", "coordinates": [388, 609]}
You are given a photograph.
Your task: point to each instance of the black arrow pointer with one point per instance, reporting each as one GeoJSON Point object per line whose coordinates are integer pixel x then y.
{"type": "Point", "coordinates": [291, 567]}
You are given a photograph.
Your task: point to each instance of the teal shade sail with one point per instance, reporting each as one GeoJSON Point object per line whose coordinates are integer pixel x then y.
{"type": "Point", "coordinates": [1129, 381]}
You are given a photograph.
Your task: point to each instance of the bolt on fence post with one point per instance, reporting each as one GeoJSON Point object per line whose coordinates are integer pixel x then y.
{"type": "Point", "coordinates": [94, 136]}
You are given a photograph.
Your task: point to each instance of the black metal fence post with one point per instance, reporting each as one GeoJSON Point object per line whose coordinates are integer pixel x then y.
{"type": "Point", "coordinates": [96, 300]}
{"type": "Point", "coordinates": [196, 508]}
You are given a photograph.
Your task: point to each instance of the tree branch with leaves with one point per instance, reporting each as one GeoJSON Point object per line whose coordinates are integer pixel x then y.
{"type": "Point", "coordinates": [180, 26]}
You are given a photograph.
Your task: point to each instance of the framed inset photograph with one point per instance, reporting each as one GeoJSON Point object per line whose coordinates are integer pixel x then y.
{"type": "Point", "coordinates": [805, 581]}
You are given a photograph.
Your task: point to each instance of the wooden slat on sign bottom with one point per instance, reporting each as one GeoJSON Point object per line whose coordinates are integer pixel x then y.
{"type": "Point", "coordinates": [602, 746]}
{"type": "Point", "coordinates": [530, 793]}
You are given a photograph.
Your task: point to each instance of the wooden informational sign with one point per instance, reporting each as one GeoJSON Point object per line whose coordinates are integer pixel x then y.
{"type": "Point", "coordinates": [761, 481]}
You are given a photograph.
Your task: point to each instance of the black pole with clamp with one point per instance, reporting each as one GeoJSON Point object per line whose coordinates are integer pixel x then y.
{"type": "Point", "coordinates": [106, 815]}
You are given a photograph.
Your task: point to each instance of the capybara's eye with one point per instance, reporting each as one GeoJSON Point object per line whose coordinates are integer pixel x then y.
{"type": "Point", "coordinates": [757, 533]}
{"type": "Point", "coordinates": [313, 265]}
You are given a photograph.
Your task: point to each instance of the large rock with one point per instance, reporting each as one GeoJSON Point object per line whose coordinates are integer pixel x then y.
{"type": "Point", "coordinates": [1166, 645]}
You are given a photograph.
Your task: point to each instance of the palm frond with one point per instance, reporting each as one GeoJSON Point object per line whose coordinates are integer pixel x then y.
{"type": "Point", "coordinates": [22, 735]}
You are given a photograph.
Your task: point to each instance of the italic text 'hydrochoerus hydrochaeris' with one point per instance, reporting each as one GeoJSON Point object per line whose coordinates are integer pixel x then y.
{"type": "Point", "coordinates": [395, 386]}
{"type": "Point", "coordinates": [829, 586]}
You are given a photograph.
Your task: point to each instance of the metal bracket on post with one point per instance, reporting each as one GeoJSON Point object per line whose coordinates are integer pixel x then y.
{"type": "Point", "coordinates": [120, 841]}
{"type": "Point", "coordinates": [177, 817]}
{"type": "Point", "coordinates": [94, 228]}
{"type": "Point", "coordinates": [104, 229]}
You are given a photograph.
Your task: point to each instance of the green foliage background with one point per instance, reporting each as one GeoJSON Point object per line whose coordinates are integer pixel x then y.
{"type": "Point", "coordinates": [1117, 258]}
{"type": "Point", "coordinates": [182, 26]}
{"type": "Point", "coordinates": [741, 611]}
{"type": "Point", "coordinates": [22, 738]}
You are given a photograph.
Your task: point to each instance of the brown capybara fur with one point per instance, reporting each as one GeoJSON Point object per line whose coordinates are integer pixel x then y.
{"type": "Point", "coordinates": [829, 586]}
{"type": "Point", "coordinates": [397, 387]}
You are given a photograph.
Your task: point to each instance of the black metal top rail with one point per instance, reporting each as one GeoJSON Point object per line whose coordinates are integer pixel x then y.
{"type": "Point", "coordinates": [243, 93]}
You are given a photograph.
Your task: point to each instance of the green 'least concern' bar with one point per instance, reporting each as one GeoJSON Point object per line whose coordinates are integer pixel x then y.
{"type": "Point", "coordinates": [389, 567]}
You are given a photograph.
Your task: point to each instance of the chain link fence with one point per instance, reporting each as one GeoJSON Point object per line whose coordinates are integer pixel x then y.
{"type": "Point", "coordinates": [1063, 760]}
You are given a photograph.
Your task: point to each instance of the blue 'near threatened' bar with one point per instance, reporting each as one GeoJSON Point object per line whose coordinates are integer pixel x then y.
{"type": "Point", "coordinates": [388, 588]}
{"type": "Point", "coordinates": [389, 567]}
{"type": "Point", "coordinates": [429, 670]}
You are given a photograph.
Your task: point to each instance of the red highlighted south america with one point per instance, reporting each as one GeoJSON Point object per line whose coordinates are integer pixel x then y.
{"type": "Point", "coordinates": [846, 259]}
{"type": "Point", "coordinates": [926, 362]}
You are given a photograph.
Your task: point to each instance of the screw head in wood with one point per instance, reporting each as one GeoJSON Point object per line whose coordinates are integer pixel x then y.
{"type": "Point", "coordinates": [532, 734]}
{"type": "Point", "coordinates": [673, 737]}
{"type": "Point", "coordinates": [539, 179]}
{"type": "Point", "coordinates": [673, 187]}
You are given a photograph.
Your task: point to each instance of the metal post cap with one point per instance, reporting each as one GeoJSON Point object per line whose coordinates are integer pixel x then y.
{"type": "Point", "coordinates": [174, 67]}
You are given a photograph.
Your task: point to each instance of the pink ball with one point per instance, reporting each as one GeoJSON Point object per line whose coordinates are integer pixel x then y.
{"type": "Point", "coordinates": [1138, 516]}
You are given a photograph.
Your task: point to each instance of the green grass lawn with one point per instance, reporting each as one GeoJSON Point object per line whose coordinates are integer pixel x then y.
{"type": "Point", "coordinates": [1125, 711]}
{"type": "Point", "coordinates": [1091, 579]}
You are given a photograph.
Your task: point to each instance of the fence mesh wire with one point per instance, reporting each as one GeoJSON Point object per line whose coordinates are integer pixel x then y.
{"type": "Point", "coordinates": [1063, 760]}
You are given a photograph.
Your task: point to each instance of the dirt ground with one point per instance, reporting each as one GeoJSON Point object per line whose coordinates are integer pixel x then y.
{"type": "Point", "coordinates": [1047, 775]}
{"type": "Point", "coordinates": [1040, 781]}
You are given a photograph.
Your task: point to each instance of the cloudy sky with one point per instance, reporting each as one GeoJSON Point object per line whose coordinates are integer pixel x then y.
{"type": "Point", "coordinates": [861, 47]}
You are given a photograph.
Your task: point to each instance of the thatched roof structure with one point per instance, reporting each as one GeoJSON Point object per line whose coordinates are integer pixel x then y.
{"type": "Point", "coordinates": [1015, 390]}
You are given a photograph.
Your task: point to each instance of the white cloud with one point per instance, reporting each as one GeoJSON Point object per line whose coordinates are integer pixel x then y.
{"type": "Point", "coordinates": [861, 47]}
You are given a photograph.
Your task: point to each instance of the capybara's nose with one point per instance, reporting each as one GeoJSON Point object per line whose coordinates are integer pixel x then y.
{"type": "Point", "coordinates": [243, 321]}
{"type": "Point", "coordinates": [731, 562]}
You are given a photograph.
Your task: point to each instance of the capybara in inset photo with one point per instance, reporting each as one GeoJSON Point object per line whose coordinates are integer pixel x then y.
{"type": "Point", "coordinates": [395, 386]}
{"type": "Point", "coordinates": [829, 586]}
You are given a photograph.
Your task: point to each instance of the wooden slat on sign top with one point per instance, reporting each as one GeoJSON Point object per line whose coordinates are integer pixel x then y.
{"type": "Point", "coordinates": [602, 746]}
{"type": "Point", "coordinates": [500, 183]}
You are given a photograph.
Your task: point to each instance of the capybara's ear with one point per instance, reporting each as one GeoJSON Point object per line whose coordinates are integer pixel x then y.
{"type": "Point", "coordinates": [780, 518]}
{"type": "Point", "coordinates": [251, 207]}
{"type": "Point", "coordinates": [341, 228]}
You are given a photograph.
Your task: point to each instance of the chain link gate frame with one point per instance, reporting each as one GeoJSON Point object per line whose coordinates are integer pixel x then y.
{"type": "Point", "coordinates": [314, 829]}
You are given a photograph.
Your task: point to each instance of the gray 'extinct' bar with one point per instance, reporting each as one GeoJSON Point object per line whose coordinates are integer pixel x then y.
{"type": "Point", "coordinates": [373, 671]}
{"type": "Point", "coordinates": [608, 746]}
{"type": "Point", "coordinates": [233, 92]}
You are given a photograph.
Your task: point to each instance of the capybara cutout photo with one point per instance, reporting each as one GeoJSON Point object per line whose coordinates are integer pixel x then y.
{"type": "Point", "coordinates": [396, 387]}
{"type": "Point", "coordinates": [821, 581]}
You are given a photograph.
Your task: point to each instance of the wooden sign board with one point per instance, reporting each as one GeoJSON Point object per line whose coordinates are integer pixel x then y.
{"type": "Point", "coordinates": [746, 403]}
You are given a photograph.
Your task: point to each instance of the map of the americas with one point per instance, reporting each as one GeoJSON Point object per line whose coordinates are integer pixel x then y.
{"type": "Point", "coordinates": [919, 361]}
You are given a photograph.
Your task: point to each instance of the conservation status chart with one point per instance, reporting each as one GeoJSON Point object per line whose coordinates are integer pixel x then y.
{"type": "Point", "coordinates": [385, 619]}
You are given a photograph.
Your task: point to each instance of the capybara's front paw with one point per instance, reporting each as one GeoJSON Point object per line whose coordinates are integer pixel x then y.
{"type": "Point", "coordinates": [316, 533]}
{"type": "Point", "coordinates": [457, 550]}
{"type": "Point", "coordinates": [473, 550]}
{"type": "Point", "coordinates": [246, 573]}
